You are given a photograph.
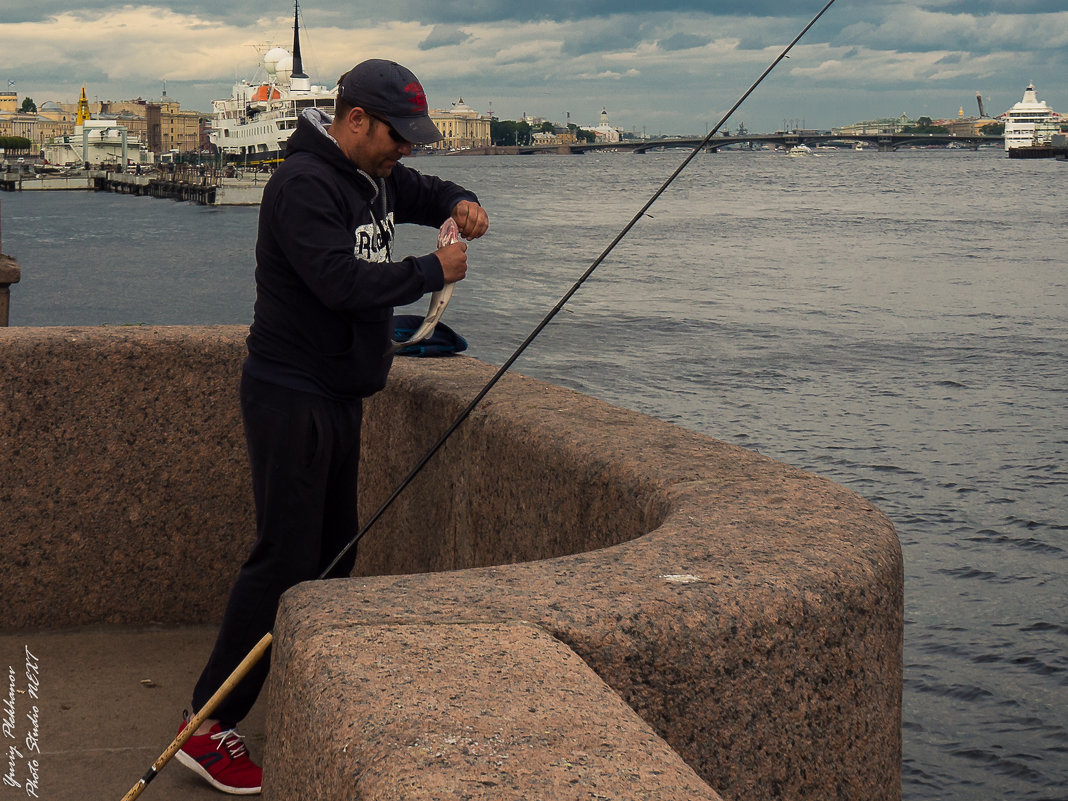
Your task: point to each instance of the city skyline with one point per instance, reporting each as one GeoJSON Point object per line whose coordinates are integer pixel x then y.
{"type": "Point", "coordinates": [665, 66]}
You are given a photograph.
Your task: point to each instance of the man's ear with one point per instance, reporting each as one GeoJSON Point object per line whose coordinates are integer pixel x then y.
{"type": "Point", "coordinates": [357, 118]}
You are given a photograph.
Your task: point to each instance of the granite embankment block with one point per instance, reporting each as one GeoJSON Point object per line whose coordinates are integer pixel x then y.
{"type": "Point", "coordinates": [748, 612]}
{"type": "Point", "coordinates": [495, 711]}
{"type": "Point", "coordinates": [124, 483]}
{"type": "Point", "coordinates": [9, 274]}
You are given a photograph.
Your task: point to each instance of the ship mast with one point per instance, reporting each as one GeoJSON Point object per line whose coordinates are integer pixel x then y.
{"type": "Point", "coordinates": [298, 81]}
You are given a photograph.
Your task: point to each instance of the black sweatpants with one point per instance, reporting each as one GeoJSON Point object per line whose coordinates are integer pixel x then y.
{"type": "Point", "coordinates": [304, 451]}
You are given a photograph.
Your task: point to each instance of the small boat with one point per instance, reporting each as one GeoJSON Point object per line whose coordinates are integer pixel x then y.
{"type": "Point", "coordinates": [799, 150]}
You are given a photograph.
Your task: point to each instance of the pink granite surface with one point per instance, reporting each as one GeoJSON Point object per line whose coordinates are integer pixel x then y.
{"type": "Point", "coordinates": [9, 270]}
{"type": "Point", "coordinates": [9, 274]}
{"type": "Point", "coordinates": [124, 488]}
{"type": "Point", "coordinates": [494, 711]}
{"type": "Point", "coordinates": [748, 612]}
{"type": "Point", "coordinates": [756, 625]}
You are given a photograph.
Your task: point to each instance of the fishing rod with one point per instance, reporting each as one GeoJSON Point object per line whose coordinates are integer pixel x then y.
{"type": "Point", "coordinates": [561, 303]}
{"type": "Point", "coordinates": [261, 647]}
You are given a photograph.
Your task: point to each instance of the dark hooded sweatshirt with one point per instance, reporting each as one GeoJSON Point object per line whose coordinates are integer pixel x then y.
{"type": "Point", "coordinates": [325, 283]}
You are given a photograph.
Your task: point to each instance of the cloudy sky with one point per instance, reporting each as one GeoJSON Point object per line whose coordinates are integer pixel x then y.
{"type": "Point", "coordinates": [662, 66]}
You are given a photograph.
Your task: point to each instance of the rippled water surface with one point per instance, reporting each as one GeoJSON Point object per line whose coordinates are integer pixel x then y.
{"type": "Point", "coordinates": [895, 322]}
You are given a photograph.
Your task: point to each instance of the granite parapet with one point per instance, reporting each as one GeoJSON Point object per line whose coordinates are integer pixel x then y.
{"type": "Point", "coordinates": [748, 612]}
{"type": "Point", "coordinates": [493, 711]}
{"type": "Point", "coordinates": [751, 612]}
{"type": "Point", "coordinates": [124, 483]}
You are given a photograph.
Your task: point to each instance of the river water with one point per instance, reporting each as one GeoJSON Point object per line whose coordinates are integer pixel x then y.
{"type": "Point", "coordinates": [896, 322]}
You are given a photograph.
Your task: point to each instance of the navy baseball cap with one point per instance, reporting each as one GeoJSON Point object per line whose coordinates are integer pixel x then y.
{"type": "Point", "coordinates": [391, 91]}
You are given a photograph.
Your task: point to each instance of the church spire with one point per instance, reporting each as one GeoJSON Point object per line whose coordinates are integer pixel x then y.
{"type": "Point", "coordinates": [83, 108]}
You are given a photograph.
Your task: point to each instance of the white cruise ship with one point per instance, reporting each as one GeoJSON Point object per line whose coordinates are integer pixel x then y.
{"type": "Point", "coordinates": [1030, 122]}
{"type": "Point", "coordinates": [253, 125]}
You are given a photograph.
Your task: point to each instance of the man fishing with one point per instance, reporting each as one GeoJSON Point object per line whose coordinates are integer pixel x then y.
{"type": "Point", "coordinates": [326, 285]}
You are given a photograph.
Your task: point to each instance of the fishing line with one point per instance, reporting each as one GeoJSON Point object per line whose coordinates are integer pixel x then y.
{"type": "Point", "coordinates": [560, 304]}
{"type": "Point", "coordinates": [261, 647]}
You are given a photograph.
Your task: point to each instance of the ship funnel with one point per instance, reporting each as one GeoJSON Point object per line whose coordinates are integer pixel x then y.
{"type": "Point", "coordinates": [298, 81]}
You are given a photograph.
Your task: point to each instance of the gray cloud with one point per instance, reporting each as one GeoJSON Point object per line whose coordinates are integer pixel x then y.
{"type": "Point", "coordinates": [684, 41]}
{"type": "Point", "coordinates": [444, 36]}
{"type": "Point", "coordinates": [444, 11]}
{"type": "Point", "coordinates": [335, 12]}
{"type": "Point", "coordinates": [484, 11]}
{"type": "Point", "coordinates": [922, 29]}
{"type": "Point", "coordinates": [671, 60]}
{"type": "Point", "coordinates": [606, 35]}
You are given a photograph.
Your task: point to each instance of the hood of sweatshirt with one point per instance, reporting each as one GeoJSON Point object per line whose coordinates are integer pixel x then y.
{"type": "Point", "coordinates": [311, 135]}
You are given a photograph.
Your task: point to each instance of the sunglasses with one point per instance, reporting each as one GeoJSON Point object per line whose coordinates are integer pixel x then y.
{"type": "Point", "coordinates": [396, 137]}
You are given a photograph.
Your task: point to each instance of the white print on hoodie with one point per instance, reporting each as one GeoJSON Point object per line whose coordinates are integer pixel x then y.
{"type": "Point", "coordinates": [372, 239]}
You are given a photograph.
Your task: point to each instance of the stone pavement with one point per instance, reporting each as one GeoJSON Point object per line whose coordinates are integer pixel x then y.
{"type": "Point", "coordinates": [109, 702]}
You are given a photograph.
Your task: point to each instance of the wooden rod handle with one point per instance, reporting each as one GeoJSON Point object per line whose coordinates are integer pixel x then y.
{"type": "Point", "coordinates": [202, 714]}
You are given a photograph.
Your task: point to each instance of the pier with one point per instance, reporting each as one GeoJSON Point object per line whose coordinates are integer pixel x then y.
{"type": "Point", "coordinates": [207, 186]}
{"type": "Point", "coordinates": [884, 142]}
{"type": "Point", "coordinates": [212, 185]}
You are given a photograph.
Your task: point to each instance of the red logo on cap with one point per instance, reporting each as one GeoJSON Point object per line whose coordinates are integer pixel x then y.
{"type": "Point", "coordinates": [416, 95]}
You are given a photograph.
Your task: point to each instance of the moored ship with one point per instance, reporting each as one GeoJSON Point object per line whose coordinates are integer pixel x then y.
{"type": "Point", "coordinates": [1030, 126]}
{"type": "Point", "coordinates": [253, 125]}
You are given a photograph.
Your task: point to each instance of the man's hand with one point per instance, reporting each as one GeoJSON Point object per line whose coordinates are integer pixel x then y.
{"type": "Point", "coordinates": [471, 219]}
{"type": "Point", "coordinates": [453, 260]}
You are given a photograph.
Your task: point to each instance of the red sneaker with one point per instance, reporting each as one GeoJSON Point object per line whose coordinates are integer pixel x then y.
{"type": "Point", "coordinates": [220, 758]}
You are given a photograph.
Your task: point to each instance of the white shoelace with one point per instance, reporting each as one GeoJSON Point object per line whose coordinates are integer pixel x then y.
{"type": "Point", "coordinates": [233, 742]}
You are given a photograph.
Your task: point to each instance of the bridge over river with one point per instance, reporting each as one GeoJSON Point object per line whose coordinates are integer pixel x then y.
{"type": "Point", "coordinates": [884, 142]}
